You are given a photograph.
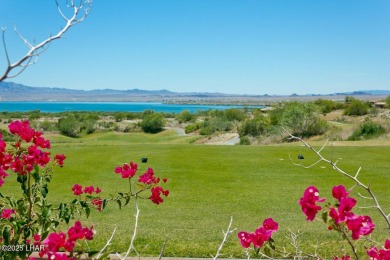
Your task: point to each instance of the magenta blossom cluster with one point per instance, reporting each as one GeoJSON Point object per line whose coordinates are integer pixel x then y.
{"type": "Point", "coordinates": [78, 190]}
{"type": "Point", "coordinates": [308, 202]}
{"type": "Point", "coordinates": [23, 160]}
{"type": "Point", "coordinates": [96, 202]}
{"type": "Point", "coordinates": [260, 236]}
{"type": "Point", "coordinates": [148, 180]}
{"type": "Point", "coordinates": [7, 213]}
{"type": "Point", "coordinates": [382, 254]}
{"type": "Point", "coordinates": [342, 213]}
{"type": "Point", "coordinates": [127, 170]}
{"type": "Point", "coordinates": [64, 241]}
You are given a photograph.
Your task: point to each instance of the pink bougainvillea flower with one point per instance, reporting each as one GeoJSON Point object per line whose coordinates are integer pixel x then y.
{"type": "Point", "coordinates": [22, 129]}
{"type": "Point", "coordinates": [373, 253]}
{"type": "Point", "coordinates": [260, 236]}
{"type": "Point", "coordinates": [98, 203]}
{"type": "Point", "coordinates": [245, 239]}
{"type": "Point", "coordinates": [127, 171]}
{"type": "Point", "coordinates": [40, 141]}
{"type": "Point", "coordinates": [3, 175]}
{"type": "Point", "coordinates": [156, 194]}
{"type": "Point", "coordinates": [77, 189]}
{"type": "Point", "coordinates": [382, 254]}
{"type": "Point", "coordinates": [270, 224]}
{"type": "Point", "coordinates": [89, 189]}
{"type": "Point", "coordinates": [6, 213]}
{"type": "Point", "coordinates": [55, 241]}
{"type": "Point", "coordinates": [308, 202]}
{"type": "Point", "coordinates": [148, 177]}
{"type": "Point", "coordinates": [59, 158]}
{"type": "Point", "coordinates": [339, 192]}
{"type": "Point", "coordinates": [98, 190]}
{"type": "Point", "coordinates": [360, 226]}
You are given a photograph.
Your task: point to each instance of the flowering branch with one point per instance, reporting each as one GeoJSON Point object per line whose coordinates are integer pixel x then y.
{"type": "Point", "coordinates": [225, 235]}
{"type": "Point", "coordinates": [354, 178]}
{"type": "Point", "coordinates": [35, 50]}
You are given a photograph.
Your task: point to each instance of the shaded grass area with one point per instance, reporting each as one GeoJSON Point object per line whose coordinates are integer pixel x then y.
{"type": "Point", "coordinates": [209, 184]}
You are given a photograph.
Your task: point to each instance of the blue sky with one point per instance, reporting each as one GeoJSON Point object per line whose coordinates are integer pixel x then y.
{"type": "Point", "coordinates": [229, 46]}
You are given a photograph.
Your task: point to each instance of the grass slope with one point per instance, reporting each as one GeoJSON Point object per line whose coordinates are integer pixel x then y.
{"type": "Point", "coordinates": [209, 184]}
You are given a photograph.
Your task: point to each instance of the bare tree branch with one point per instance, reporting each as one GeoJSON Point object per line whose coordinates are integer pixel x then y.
{"type": "Point", "coordinates": [131, 246]}
{"type": "Point", "coordinates": [106, 245]}
{"type": "Point", "coordinates": [354, 178]}
{"type": "Point", "coordinates": [225, 235]}
{"type": "Point", "coordinates": [80, 12]}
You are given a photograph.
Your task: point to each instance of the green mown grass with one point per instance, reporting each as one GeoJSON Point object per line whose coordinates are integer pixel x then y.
{"type": "Point", "coordinates": [208, 185]}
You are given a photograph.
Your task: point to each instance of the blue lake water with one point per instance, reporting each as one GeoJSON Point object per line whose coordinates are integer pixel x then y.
{"type": "Point", "coordinates": [52, 107]}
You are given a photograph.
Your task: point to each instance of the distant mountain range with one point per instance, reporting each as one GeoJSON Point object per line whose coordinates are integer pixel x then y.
{"type": "Point", "coordinates": [10, 91]}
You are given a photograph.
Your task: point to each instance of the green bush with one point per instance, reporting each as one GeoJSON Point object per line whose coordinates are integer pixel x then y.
{"type": "Point", "coordinates": [234, 114]}
{"type": "Point", "coordinates": [244, 140]}
{"type": "Point", "coordinates": [253, 127]}
{"type": "Point", "coordinates": [213, 125]}
{"type": "Point", "coordinates": [119, 117]}
{"type": "Point", "coordinates": [367, 130]}
{"type": "Point", "coordinates": [47, 126]}
{"type": "Point", "coordinates": [69, 126]}
{"type": "Point", "coordinates": [153, 123]}
{"type": "Point", "coordinates": [327, 106]}
{"type": "Point", "coordinates": [302, 119]}
{"type": "Point", "coordinates": [191, 128]}
{"type": "Point", "coordinates": [185, 116]}
{"type": "Point", "coordinates": [356, 108]}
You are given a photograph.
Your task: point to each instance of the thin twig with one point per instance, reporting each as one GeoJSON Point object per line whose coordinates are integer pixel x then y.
{"type": "Point", "coordinates": [162, 251]}
{"type": "Point", "coordinates": [226, 234]}
{"type": "Point", "coordinates": [107, 244]}
{"type": "Point", "coordinates": [131, 246]}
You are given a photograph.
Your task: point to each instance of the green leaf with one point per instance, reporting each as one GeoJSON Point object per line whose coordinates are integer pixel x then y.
{"type": "Point", "coordinates": [325, 216]}
{"type": "Point", "coordinates": [127, 200]}
{"type": "Point", "coordinates": [44, 191]}
{"type": "Point", "coordinates": [88, 211]}
{"type": "Point", "coordinates": [119, 204]}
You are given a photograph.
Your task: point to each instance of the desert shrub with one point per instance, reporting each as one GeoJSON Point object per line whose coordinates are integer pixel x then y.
{"type": "Point", "coordinates": [153, 123]}
{"type": "Point", "coordinates": [356, 108]}
{"type": "Point", "coordinates": [275, 116]}
{"type": "Point", "coordinates": [33, 115]}
{"type": "Point", "coordinates": [88, 126]}
{"type": "Point", "coordinates": [234, 114]}
{"type": "Point", "coordinates": [327, 106]}
{"type": "Point", "coordinates": [303, 119]}
{"type": "Point", "coordinates": [47, 126]}
{"type": "Point", "coordinates": [213, 125]}
{"type": "Point", "coordinates": [244, 140]}
{"type": "Point", "coordinates": [191, 128]}
{"type": "Point", "coordinates": [185, 116]}
{"type": "Point", "coordinates": [131, 115]}
{"type": "Point", "coordinates": [367, 130]}
{"type": "Point", "coordinates": [119, 117]}
{"type": "Point", "coordinates": [69, 126]}
{"type": "Point", "coordinates": [253, 127]}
